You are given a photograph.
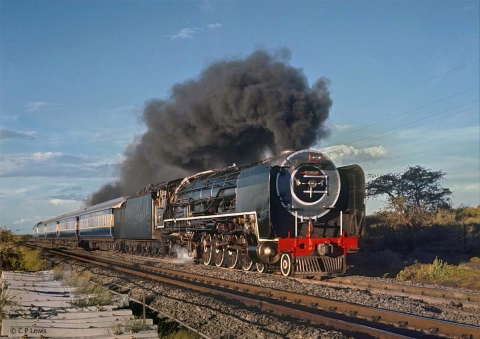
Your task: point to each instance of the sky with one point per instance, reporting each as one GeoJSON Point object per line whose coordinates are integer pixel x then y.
{"type": "Point", "coordinates": [76, 75]}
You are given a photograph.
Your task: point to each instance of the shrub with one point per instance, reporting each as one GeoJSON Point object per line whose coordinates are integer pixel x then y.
{"type": "Point", "coordinates": [31, 259]}
{"type": "Point", "coordinates": [441, 273]}
{"type": "Point", "coordinates": [448, 233]}
{"type": "Point", "coordinates": [18, 258]}
{"type": "Point", "coordinates": [12, 258]}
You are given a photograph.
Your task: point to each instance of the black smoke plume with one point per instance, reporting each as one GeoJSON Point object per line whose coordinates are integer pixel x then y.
{"type": "Point", "coordinates": [236, 111]}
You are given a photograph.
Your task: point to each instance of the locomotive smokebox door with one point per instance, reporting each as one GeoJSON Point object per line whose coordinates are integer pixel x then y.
{"type": "Point", "coordinates": [306, 185]}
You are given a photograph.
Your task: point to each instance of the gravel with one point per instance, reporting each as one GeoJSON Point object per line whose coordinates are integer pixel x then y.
{"type": "Point", "coordinates": [222, 319]}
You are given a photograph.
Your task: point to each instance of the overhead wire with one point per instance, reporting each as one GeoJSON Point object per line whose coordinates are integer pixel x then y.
{"type": "Point", "coordinates": [407, 88]}
{"type": "Point", "coordinates": [410, 111]}
{"type": "Point", "coordinates": [373, 136]}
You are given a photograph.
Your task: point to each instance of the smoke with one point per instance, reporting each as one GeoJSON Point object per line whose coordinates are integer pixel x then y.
{"type": "Point", "coordinates": [236, 111]}
{"type": "Point", "coordinates": [182, 256]}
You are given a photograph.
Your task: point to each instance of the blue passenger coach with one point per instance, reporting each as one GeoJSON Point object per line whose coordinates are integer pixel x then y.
{"type": "Point", "coordinates": [89, 222]}
{"type": "Point", "coordinates": [67, 227]}
{"type": "Point", "coordinates": [98, 220]}
{"type": "Point", "coordinates": [51, 229]}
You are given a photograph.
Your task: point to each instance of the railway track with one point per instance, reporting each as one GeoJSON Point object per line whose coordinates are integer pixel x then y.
{"type": "Point", "coordinates": [362, 320]}
{"type": "Point", "coordinates": [470, 299]}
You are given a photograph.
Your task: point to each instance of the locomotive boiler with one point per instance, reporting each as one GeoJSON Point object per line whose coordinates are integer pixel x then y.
{"type": "Point", "coordinates": [297, 212]}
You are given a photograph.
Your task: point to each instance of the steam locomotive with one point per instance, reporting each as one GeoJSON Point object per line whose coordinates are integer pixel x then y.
{"type": "Point", "coordinates": [295, 212]}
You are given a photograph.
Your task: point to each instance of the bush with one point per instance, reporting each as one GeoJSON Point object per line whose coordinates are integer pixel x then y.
{"type": "Point", "coordinates": [12, 258]}
{"type": "Point", "coordinates": [21, 259]}
{"type": "Point", "coordinates": [449, 235]}
{"type": "Point", "coordinates": [32, 261]}
{"type": "Point", "coordinates": [452, 232]}
{"type": "Point", "coordinates": [18, 258]}
{"type": "Point", "coordinates": [440, 272]}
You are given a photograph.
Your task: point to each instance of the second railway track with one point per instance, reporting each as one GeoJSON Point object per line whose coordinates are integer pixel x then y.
{"type": "Point", "coordinates": [465, 297]}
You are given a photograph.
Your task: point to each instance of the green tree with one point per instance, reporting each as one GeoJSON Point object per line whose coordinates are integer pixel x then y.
{"type": "Point", "coordinates": [411, 194]}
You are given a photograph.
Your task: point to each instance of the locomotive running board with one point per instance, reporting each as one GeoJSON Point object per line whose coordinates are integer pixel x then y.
{"type": "Point", "coordinates": [211, 216]}
{"type": "Point", "coordinates": [323, 266]}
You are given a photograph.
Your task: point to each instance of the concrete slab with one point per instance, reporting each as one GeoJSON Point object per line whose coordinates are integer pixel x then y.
{"type": "Point", "coordinates": [44, 304]}
{"type": "Point", "coordinates": [45, 289]}
{"type": "Point", "coordinates": [43, 308]}
{"type": "Point", "coordinates": [86, 315]}
{"type": "Point", "coordinates": [69, 309]}
{"type": "Point", "coordinates": [19, 284]}
{"type": "Point", "coordinates": [26, 296]}
{"type": "Point", "coordinates": [26, 275]}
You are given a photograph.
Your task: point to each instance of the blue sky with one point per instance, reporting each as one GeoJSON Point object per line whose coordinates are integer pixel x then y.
{"type": "Point", "coordinates": [75, 76]}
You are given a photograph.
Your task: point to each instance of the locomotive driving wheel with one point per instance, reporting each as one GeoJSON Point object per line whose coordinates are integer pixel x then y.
{"type": "Point", "coordinates": [247, 264]}
{"type": "Point", "coordinates": [219, 254]}
{"type": "Point", "coordinates": [261, 267]}
{"type": "Point", "coordinates": [232, 256]}
{"type": "Point", "coordinates": [207, 252]}
{"type": "Point", "coordinates": [286, 265]}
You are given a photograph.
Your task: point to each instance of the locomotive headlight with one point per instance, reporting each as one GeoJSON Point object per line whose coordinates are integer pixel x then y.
{"type": "Point", "coordinates": [315, 157]}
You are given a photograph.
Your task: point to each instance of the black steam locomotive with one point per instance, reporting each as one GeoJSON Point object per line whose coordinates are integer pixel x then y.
{"type": "Point", "coordinates": [297, 212]}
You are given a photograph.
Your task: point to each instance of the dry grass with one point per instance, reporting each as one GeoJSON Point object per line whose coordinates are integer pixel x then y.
{"type": "Point", "coordinates": [88, 294]}
{"type": "Point", "coordinates": [441, 273]}
{"type": "Point", "coordinates": [32, 260]}
{"type": "Point", "coordinates": [181, 334]}
{"type": "Point", "coordinates": [171, 330]}
{"type": "Point", "coordinates": [131, 326]}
